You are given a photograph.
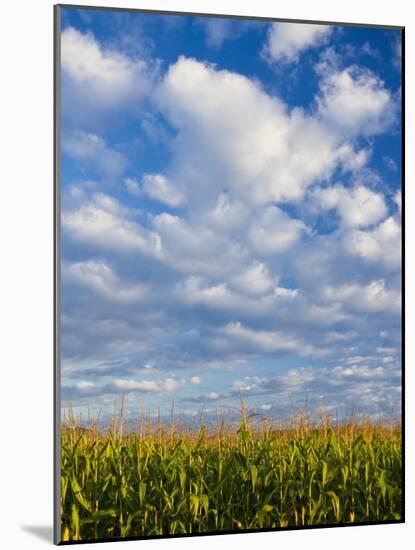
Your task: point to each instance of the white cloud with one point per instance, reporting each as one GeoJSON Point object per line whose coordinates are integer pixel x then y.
{"type": "Point", "coordinates": [286, 41]}
{"type": "Point", "coordinates": [382, 244]}
{"type": "Point", "coordinates": [171, 384]}
{"type": "Point", "coordinates": [157, 187]}
{"type": "Point", "coordinates": [193, 292]}
{"type": "Point", "coordinates": [100, 76]}
{"type": "Point", "coordinates": [397, 51]}
{"type": "Point", "coordinates": [340, 336]}
{"type": "Point", "coordinates": [253, 302]}
{"type": "Point", "coordinates": [217, 31]}
{"type": "Point", "coordinates": [286, 293]}
{"type": "Point", "coordinates": [133, 187]}
{"type": "Point", "coordinates": [354, 101]}
{"type": "Point", "coordinates": [260, 341]}
{"type": "Point", "coordinates": [256, 279]}
{"type": "Point", "coordinates": [103, 223]}
{"type": "Point", "coordinates": [98, 276]}
{"type": "Point", "coordinates": [85, 385]}
{"type": "Point", "coordinates": [248, 383]}
{"type": "Point", "coordinates": [390, 163]}
{"type": "Point", "coordinates": [372, 298]}
{"type": "Point", "coordinates": [233, 137]}
{"type": "Point", "coordinates": [226, 215]}
{"type": "Point", "coordinates": [272, 231]}
{"type": "Point", "coordinates": [383, 350]}
{"type": "Point", "coordinates": [357, 207]}
{"type": "Point", "coordinates": [353, 160]}
{"type": "Point", "coordinates": [190, 247]}
{"type": "Point", "coordinates": [340, 386]}
{"type": "Point", "coordinates": [135, 385]}
{"type": "Point", "coordinates": [167, 385]}
{"type": "Point", "coordinates": [297, 379]}
{"type": "Point", "coordinates": [203, 398]}
{"type": "Point", "coordinates": [219, 297]}
{"type": "Point", "coordinates": [87, 390]}
{"type": "Point", "coordinates": [195, 380]}
{"type": "Point", "coordinates": [92, 151]}
{"type": "Point", "coordinates": [213, 395]}
{"type": "Point", "coordinates": [398, 200]}
{"type": "Point", "coordinates": [324, 315]}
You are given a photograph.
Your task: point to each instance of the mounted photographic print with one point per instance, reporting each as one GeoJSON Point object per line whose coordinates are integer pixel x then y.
{"type": "Point", "coordinates": [228, 274]}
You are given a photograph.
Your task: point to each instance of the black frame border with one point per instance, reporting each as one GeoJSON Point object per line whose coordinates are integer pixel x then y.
{"type": "Point", "coordinates": [57, 272]}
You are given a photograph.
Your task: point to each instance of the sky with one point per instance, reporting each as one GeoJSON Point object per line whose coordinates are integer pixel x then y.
{"type": "Point", "coordinates": [230, 215]}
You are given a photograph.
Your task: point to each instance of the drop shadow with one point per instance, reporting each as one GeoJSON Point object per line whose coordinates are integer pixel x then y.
{"type": "Point", "coordinates": [43, 532]}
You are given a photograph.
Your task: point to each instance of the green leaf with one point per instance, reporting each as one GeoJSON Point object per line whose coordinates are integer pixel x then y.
{"type": "Point", "coordinates": [142, 492]}
{"type": "Point", "coordinates": [254, 476]}
{"type": "Point", "coordinates": [75, 522]}
{"type": "Point", "coordinates": [77, 491]}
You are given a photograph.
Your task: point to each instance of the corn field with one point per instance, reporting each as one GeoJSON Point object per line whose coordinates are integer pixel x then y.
{"type": "Point", "coordinates": [160, 481]}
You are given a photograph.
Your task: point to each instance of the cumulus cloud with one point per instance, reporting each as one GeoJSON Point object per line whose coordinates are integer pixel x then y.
{"type": "Point", "coordinates": [157, 187]}
{"type": "Point", "coordinates": [101, 77]}
{"type": "Point", "coordinates": [260, 341]}
{"type": "Point", "coordinates": [133, 187]}
{"type": "Point", "coordinates": [255, 280]}
{"type": "Point", "coordinates": [204, 398]}
{"type": "Point", "coordinates": [357, 207]}
{"type": "Point", "coordinates": [252, 302]}
{"type": "Point", "coordinates": [355, 101]}
{"type": "Point", "coordinates": [102, 222]}
{"type": "Point", "coordinates": [247, 141]}
{"type": "Point", "coordinates": [99, 277]}
{"type": "Point", "coordinates": [220, 298]}
{"type": "Point", "coordinates": [190, 247]}
{"type": "Point", "coordinates": [109, 369]}
{"type": "Point", "coordinates": [86, 389]}
{"type": "Point", "coordinates": [219, 30]}
{"type": "Point", "coordinates": [397, 52]}
{"type": "Point", "coordinates": [227, 215]}
{"type": "Point", "coordinates": [92, 151]}
{"type": "Point", "coordinates": [342, 388]}
{"type": "Point", "coordinates": [398, 200]}
{"type": "Point", "coordinates": [273, 231]}
{"type": "Point", "coordinates": [286, 41]}
{"type": "Point", "coordinates": [381, 244]}
{"type": "Point", "coordinates": [192, 291]}
{"type": "Point", "coordinates": [372, 298]}
{"type": "Point", "coordinates": [390, 163]}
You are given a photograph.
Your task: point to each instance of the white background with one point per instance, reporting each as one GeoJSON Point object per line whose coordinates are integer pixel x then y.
{"type": "Point", "coordinates": [26, 267]}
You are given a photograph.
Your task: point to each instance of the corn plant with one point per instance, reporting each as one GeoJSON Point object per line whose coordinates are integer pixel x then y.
{"type": "Point", "coordinates": [159, 481]}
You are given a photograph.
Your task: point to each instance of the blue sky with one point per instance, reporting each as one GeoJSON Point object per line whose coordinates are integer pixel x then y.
{"type": "Point", "coordinates": [230, 214]}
